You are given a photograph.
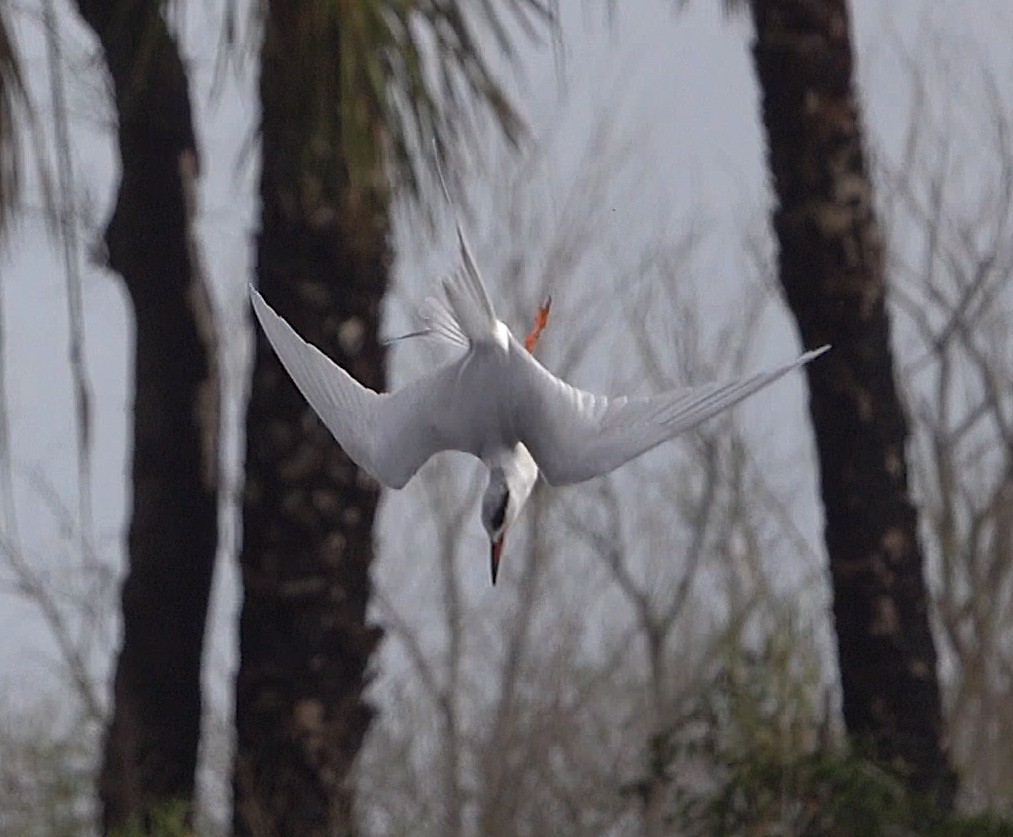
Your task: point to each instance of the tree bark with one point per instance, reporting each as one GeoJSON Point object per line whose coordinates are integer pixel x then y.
{"type": "Point", "coordinates": [832, 270]}
{"type": "Point", "coordinates": [151, 745]}
{"type": "Point", "coordinates": [308, 512]}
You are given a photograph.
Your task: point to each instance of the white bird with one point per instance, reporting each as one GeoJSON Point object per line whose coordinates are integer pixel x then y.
{"type": "Point", "coordinates": [494, 401]}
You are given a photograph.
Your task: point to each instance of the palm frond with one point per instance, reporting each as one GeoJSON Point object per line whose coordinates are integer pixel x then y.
{"type": "Point", "coordinates": [440, 78]}
{"type": "Point", "coordinates": [13, 106]}
{"type": "Point", "coordinates": [387, 85]}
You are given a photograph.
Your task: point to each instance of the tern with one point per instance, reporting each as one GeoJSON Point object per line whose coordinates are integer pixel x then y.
{"type": "Point", "coordinates": [496, 401]}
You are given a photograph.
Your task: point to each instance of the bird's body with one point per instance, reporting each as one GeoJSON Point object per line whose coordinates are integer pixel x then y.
{"type": "Point", "coordinates": [494, 401]}
{"type": "Point", "coordinates": [484, 428]}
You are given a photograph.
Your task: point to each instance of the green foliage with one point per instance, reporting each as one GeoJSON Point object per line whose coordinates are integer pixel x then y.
{"type": "Point", "coordinates": [815, 793]}
{"type": "Point", "coordinates": [822, 793]}
{"type": "Point", "coordinates": [168, 819]}
{"type": "Point", "coordinates": [757, 756]}
{"type": "Point", "coordinates": [46, 770]}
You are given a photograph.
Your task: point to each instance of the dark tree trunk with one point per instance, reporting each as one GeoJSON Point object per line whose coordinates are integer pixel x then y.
{"type": "Point", "coordinates": [151, 746]}
{"type": "Point", "coordinates": [831, 267]}
{"type": "Point", "coordinates": [308, 512]}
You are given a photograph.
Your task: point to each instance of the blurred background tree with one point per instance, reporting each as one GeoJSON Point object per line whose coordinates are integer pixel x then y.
{"type": "Point", "coordinates": [832, 267]}
{"type": "Point", "coordinates": [151, 745]}
{"type": "Point", "coordinates": [353, 99]}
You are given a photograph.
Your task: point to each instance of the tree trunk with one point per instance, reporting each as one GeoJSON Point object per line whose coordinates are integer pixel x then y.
{"type": "Point", "coordinates": [151, 746]}
{"type": "Point", "coordinates": [831, 268]}
{"type": "Point", "coordinates": [308, 512]}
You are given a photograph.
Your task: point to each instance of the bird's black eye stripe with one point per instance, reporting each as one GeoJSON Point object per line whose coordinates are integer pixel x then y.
{"type": "Point", "coordinates": [500, 515]}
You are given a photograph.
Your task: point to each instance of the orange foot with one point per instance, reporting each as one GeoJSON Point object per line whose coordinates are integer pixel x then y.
{"type": "Point", "coordinates": [541, 319]}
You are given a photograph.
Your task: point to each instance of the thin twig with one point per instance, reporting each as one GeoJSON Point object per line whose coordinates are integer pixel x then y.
{"type": "Point", "coordinates": [72, 270]}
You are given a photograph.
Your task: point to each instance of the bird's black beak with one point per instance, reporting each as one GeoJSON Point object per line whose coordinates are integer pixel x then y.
{"type": "Point", "coordinates": [494, 556]}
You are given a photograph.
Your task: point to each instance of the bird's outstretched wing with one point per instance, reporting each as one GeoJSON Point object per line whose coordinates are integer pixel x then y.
{"type": "Point", "coordinates": [575, 435]}
{"type": "Point", "coordinates": [390, 436]}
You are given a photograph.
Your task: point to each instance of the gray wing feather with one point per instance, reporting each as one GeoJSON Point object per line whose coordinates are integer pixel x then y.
{"type": "Point", "coordinates": [575, 435]}
{"type": "Point", "coordinates": [388, 436]}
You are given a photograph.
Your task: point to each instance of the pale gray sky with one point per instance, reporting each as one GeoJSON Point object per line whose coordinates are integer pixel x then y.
{"type": "Point", "coordinates": [681, 83]}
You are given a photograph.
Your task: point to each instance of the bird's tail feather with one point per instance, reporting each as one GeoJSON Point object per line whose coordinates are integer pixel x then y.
{"type": "Point", "coordinates": [468, 301]}
{"type": "Point", "coordinates": [457, 309]}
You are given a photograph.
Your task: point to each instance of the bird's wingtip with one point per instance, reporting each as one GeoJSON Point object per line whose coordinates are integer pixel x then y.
{"type": "Point", "coordinates": [256, 300]}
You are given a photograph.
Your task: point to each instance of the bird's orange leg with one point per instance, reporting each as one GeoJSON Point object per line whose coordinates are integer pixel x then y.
{"type": "Point", "coordinates": [541, 320]}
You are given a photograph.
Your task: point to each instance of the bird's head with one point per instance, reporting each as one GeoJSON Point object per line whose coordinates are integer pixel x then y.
{"type": "Point", "coordinates": [510, 484]}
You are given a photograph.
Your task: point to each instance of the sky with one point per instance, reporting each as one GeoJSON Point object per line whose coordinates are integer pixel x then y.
{"type": "Point", "coordinates": [678, 86]}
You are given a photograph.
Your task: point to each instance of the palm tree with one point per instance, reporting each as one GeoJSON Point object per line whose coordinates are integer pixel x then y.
{"type": "Point", "coordinates": [151, 746]}
{"type": "Point", "coordinates": [831, 268]}
{"type": "Point", "coordinates": [350, 106]}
